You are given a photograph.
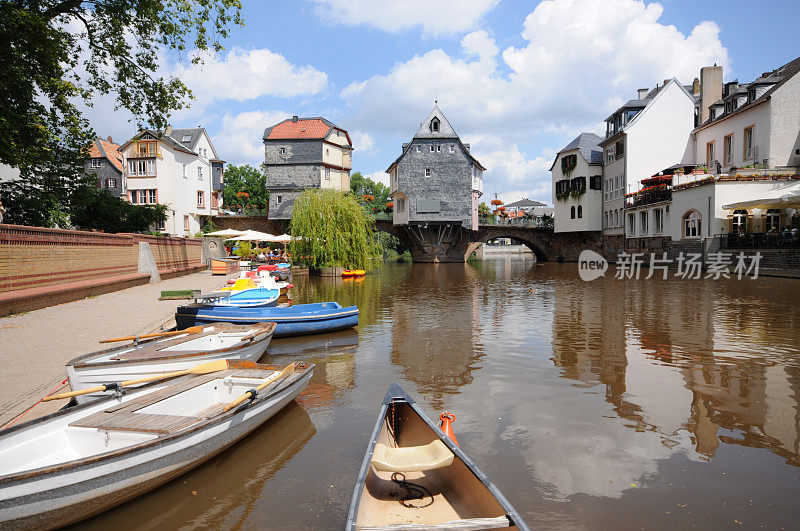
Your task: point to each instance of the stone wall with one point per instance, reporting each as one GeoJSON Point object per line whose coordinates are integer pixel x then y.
{"type": "Point", "coordinates": [289, 173]}
{"type": "Point", "coordinates": [450, 181]}
{"type": "Point", "coordinates": [259, 223]}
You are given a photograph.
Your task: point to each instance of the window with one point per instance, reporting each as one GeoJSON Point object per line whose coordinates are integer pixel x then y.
{"type": "Point", "coordinates": [605, 220]}
{"type": "Point", "coordinates": [610, 154]}
{"type": "Point", "coordinates": [200, 199]}
{"type": "Point", "coordinates": [616, 218]}
{"type": "Point", "coordinates": [451, 149]}
{"type": "Point", "coordinates": [435, 125]}
{"type": "Point", "coordinates": [143, 197]}
{"type": "Point", "coordinates": [401, 204]}
{"type": "Point", "coordinates": [327, 151]}
{"type": "Point", "coordinates": [111, 183]}
{"type": "Point", "coordinates": [282, 151]}
{"type": "Point", "coordinates": [727, 148]}
{"type": "Point", "coordinates": [185, 222]}
{"type": "Point", "coordinates": [278, 199]}
{"type": "Point", "coordinates": [578, 184]}
{"type": "Point", "coordinates": [773, 219]}
{"type": "Point", "coordinates": [631, 224]}
{"type": "Point", "coordinates": [419, 149]}
{"type": "Point", "coordinates": [658, 221]}
{"type": "Point", "coordinates": [749, 152]}
{"type": "Point", "coordinates": [572, 212]}
{"type": "Point", "coordinates": [739, 222]}
{"type": "Point", "coordinates": [134, 197]}
{"type": "Point", "coordinates": [710, 155]}
{"type": "Point", "coordinates": [186, 138]}
{"type": "Point", "coordinates": [327, 174]}
{"type": "Point", "coordinates": [151, 196]}
{"type": "Point", "coordinates": [427, 172]}
{"type": "Point", "coordinates": [751, 95]}
{"type": "Point", "coordinates": [619, 148]}
{"type": "Point", "coordinates": [145, 148]}
{"type": "Point", "coordinates": [432, 149]}
{"type": "Point", "coordinates": [562, 186]}
{"type": "Point", "coordinates": [438, 149]}
{"type": "Point", "coordinates": [200, 173]}
{"type": "Point", "coordinates": [643, 222]}
{"type": "Point", "coordinates": [160, 225]}
{"type": "Point", "coordinates": [96, 163]}
{"type": "Point", "coordinates": [692, 224]}
{"type": "Point", "coordinates": [580, 211]}
{"type": "Point", "coordinates": [595, 182]}
{"type": "Point", "coordinates": [141, 167]}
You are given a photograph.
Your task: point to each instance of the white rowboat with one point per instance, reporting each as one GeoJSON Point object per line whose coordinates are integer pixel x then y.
{"type": "Point", "coordinates": [171, 354]}
{"type": "Point", "coordinates": [80, 461]}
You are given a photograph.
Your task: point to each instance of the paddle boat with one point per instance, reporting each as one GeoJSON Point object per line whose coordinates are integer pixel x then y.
{"type": "Point", "coordinates": [80, 461]}
{"type": "Point", "coordinates": [167, 352]}
{"type": "Point", "coordinates": [296, 320]}
{"type": "Point", "coordinates": [246, 298]}
{"type": "Point", "coordinates": [253, 279]}
{"type": "Point", "coordinates": [350, 273]}
{"type": "Point", "coordinates": [415, 476]}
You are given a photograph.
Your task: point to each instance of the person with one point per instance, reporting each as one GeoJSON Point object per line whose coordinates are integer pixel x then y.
{"type": "Point", "coordinates": [261, 255]}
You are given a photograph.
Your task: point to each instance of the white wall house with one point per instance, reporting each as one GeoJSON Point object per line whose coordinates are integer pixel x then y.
{"type": "Point", "coordinates": [577, 181]}
{"type": "Point", "coordinates": [178, 168]}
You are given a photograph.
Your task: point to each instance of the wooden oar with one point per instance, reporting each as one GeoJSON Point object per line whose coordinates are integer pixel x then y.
{"type": "Point", "coordinates": [190, 330]}
{"type": "Point", "coordinates": [205, 368]}
{"type": "Point", "coordinates": [251, 394]}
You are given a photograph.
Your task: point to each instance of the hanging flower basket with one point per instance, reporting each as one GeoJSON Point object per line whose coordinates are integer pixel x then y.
{"type": "Point", "coordinates": [496, 202]}
{"type": "Point", "coordinates": [368, 198]}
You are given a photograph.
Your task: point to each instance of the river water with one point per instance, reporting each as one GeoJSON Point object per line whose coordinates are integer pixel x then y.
{"type": "Point", "coordinates": [605, 404]}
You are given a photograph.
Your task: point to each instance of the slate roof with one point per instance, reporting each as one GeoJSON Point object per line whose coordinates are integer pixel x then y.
{"type": "Point", "coordinates": [194, 134]}
{"type": "Point", "coordinates": [523, 203]}
{"type": "Point", "coordinates": [587, 145]}
{"type": "Point", "coordinates": [303, 128]}
{"type": "Point", "coordinates": [106, 149]}
{"type": "Point", "coordinates": [779, 77]}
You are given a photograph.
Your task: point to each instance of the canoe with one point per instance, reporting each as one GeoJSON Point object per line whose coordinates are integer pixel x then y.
{"type": "Point", "coordinates": [300, 319]}
{"type": "Point", "coordinates": [161, 355]}
{"type": "Point", "coordinates": [353, 273]}
{"type": "Point", "coordinates": [247, 298]}
{"type": "Point", "coordinates": [80, 461]}
{"type": "Point", "coordinates": [405, 446]}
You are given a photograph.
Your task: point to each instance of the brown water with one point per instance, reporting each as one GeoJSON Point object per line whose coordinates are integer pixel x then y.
{"type": "Point", "coordinates": [605, 404]}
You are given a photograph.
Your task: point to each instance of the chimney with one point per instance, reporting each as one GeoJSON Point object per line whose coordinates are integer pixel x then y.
{"type": "Point", "coordinates": [731, 87]}
{"type": "Point", "coordinates": [641, 93]}
{"type": "Point", "coordinates": [710, 89]}
{"type": "Point", "coordinates": [294, 119]}
{"type": "Point", "coordinates": [110, 140]}
{"type": "Point", "coordinates": [168, 130]}
{"type": "Point", "coordinates": [696, 87]}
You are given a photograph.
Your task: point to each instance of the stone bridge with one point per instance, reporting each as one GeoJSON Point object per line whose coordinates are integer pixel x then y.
{"type": "Point", "coordinates": [449, 243]}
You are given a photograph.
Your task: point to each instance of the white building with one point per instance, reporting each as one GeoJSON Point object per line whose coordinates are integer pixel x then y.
{"type": "Point", "coordinates": [577, 181]}
{"type": "Point", "coordinates": [178, 168]}
{"type": "Point", "coordinates": [643, 137]}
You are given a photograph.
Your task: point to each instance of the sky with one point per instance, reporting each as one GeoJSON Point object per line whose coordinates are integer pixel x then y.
{"type": "Point", "coordinates": [518, 80]}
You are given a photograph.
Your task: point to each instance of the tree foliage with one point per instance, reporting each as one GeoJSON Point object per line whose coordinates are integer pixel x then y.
{"type": "Point", "coordinates": [245, 190]}
{"type": "Point", "coordinates": [373, 196]}
{"type": "Point", "coordinates": [96, 209]}
{"type": "Point", "coordinates": [331, 228]}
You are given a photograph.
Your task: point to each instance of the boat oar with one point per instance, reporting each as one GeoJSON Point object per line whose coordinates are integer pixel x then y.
{"type": "Point", "coordinates": [190, 330]}
{"type": "Point", "coordinates": [205, 368]}
{"type": "Point", "coordinates": [251, 394]}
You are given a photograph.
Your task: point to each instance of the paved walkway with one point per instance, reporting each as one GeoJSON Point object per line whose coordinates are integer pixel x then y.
{"type": "Point", "coordinates": [35, 346]}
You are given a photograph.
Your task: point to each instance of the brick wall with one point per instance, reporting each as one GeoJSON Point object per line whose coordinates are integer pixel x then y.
{"type": "Point", "coordinates": [32, 257]}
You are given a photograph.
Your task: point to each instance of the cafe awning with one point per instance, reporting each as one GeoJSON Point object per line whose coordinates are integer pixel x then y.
{"type": "Point", "coordinates": [785, 196]}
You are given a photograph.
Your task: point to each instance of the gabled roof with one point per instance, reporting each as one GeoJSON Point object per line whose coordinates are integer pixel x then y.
{"type": "Point", "coordinates": [108, 150]}
{"type": "Point", "coordinates": [302, 128]}
{"type": "Point", "coordinates": [587, 145]}
{"type": "Point", "coordinates": [159, 136]}
{"type": "Point", "coordinates": [779, 76]}
{"type": "Point", "coordinates": [524, 203]}
{"type": "Point", "coordinates": [445, 131]}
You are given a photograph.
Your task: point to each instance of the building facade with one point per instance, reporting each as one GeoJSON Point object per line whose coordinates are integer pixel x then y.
{"type": "Point", "coordinates": [436, 180]}
{"type": "Point", "coordinates": [302, 153]}
{"type": "Point", "coordinates": [178, 168]}
{"type": "Point", "coordinates": [577, 173]}
{"type": "Point", "coordinates": [105, 165]}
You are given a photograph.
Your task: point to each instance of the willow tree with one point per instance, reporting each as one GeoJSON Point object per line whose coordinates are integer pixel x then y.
{"type": "Point", "coordinates": [330, 228]}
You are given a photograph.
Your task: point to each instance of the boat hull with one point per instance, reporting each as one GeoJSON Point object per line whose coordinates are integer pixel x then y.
{"type": "Point", "coordinates": [294, 322]}
{"type": "Point", "coordinates": [83, 374]}
{"type": "Point", "coordinates": [55, 500]}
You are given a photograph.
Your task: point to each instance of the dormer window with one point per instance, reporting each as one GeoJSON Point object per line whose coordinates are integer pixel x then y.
{"type": "Point", "coordinates": [751, 95]}
{"type": "Point", "coordinates": [435, 125]}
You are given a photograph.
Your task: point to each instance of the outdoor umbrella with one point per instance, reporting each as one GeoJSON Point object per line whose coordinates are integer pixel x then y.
{"type": "Point", "coordinates": [254, 236]}
{"type": "Point", "coordinates": [784, 196]}
{"type": "Point", "coordinates": [227, 233]}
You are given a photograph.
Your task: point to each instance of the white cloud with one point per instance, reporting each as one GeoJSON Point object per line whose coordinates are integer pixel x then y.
{"type": "Point", "coordinates": [243, 75]}
{"type": "Point", "coordinates": [435, 17]}
{"type": "Point", "coordinates": [362, 141]}
{"type": "Point", "coordinates": [239, 139]}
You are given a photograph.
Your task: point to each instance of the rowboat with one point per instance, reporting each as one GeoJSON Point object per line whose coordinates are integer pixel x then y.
{"type": "Point", "coordinates": [80, 461]}
{"type": "Point", "coordinates": [296, 320]}
{"type": "Point", "coordinates": [162, 355]}
{"type": "Point", "coordinates": [247, 298]}
{"type": "Point", "coordinates": [415, 477]}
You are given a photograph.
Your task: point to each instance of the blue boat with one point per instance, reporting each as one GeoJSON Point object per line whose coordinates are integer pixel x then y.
{"type": "Point", "coordinates": [297, 320]}
{"type": "Point", "coordinates": [246, 298]}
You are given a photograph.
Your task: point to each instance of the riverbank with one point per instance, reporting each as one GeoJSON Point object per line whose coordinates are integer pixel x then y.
{"type": "Point", "coordinates": [35, 346]}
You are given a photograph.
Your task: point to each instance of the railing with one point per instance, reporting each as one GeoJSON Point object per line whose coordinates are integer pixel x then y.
{"type": "Point", "coordinates": [648, 196]}
{"type": "Point", "coordinates": [383, 216]}
{"type": "Point", "coordinates": [761, 240]}
{"type": "Point", "coordinates": [535, 222]}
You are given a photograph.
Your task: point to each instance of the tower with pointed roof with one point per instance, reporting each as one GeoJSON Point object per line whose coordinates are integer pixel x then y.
{"type": "Point", "coordinates": [436, 184]}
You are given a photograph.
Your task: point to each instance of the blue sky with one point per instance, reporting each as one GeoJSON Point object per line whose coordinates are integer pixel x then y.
{"type": "Point", "coordinates": [518, 80]}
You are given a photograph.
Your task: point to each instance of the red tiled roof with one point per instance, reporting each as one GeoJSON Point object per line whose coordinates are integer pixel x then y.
{"type": "Point", "coordinates": [302, 128]}
{"type": "Point", "coordinates": [108, 150]}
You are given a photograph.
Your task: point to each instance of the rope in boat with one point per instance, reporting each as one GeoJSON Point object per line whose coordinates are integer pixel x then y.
{"type": "Point", "coordinates": [415, 492]}
{"type": "Point", "coordinates": [15, 419]}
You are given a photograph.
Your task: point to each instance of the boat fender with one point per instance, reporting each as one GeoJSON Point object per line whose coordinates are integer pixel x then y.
{"type": "Point", "coordinates": [447, 419]}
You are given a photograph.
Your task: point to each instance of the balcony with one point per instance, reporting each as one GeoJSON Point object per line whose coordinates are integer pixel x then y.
{"type": "Point", "coordinates": [649, 196]}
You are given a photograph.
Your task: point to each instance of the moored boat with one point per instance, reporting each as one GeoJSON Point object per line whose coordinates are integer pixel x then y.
{"type": "Point", "coordinates": [80, 461]}
{"type": "Point", "coordinates": [299, 319]}
{"type": "Point", "coordinates": [167, 354]}
{"type": "Point", "coordinates": [247, 298]}
{"type": "Point", "coordinates": [349, 273]}
{"type": "Point", "coordinates": [415, 477]}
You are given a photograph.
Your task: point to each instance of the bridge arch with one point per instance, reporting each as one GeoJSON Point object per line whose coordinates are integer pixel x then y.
{"type": "Point", "coordinates": [530, 243]}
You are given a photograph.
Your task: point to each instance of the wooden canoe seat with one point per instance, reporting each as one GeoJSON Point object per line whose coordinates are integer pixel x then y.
{"type": "Point", "coordinates": [412, 458]}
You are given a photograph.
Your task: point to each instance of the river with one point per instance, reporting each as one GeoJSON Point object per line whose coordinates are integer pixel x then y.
{"type": "Point", "coordinates": [606, 404]}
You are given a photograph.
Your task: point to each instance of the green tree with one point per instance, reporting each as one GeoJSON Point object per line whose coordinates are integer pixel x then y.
{"type": "Point", "coordinates": [96, 209]}
{"type": "Point", "coordinates": [377, 194]}
{"type": "Point", "coordinates": [245, 190]}
{"type": "Point", "coordinates": [332, 229]}
{"type": "Point", "coordinates": [485, 213]}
